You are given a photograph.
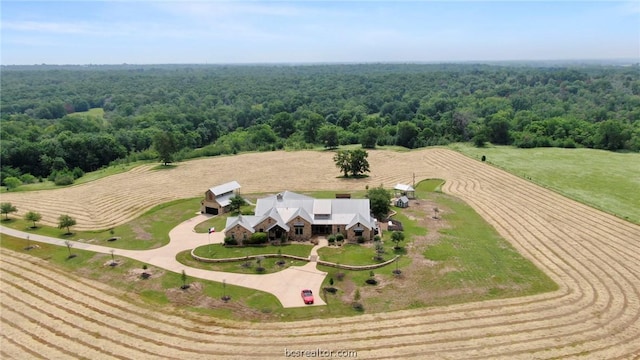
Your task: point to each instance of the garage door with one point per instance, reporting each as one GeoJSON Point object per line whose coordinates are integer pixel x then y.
{"type": "Point", "coordinates": [210, 210]}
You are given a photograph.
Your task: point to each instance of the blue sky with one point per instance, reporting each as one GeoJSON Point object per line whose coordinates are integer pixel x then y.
{"type": "Point", "coordinates": [153, 32]}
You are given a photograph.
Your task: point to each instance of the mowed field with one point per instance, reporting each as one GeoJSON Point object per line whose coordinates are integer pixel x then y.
{"type": "Point", "coordinates": [593, 256]}
{"type": "Point", "coordinates": [606, 180]}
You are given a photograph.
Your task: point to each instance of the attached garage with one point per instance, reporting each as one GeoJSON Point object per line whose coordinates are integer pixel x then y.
{"type": "Point", "coordinates": [211, 210]}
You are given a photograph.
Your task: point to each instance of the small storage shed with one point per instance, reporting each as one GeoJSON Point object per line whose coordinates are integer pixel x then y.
{"type": "Point", "coordinates": [402, 202]}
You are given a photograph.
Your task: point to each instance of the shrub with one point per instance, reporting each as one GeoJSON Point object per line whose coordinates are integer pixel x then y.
{"type": "Point", "coordinates": [28, 178]}
{"type": "Point", "coordinates": [77, 172]}
{"type": "Point", "coordinates": [63, 178]}
{"type": "Point", "coordinates": [339, 237]}
{"type": "Point", "coordinates": [357, 306]}
{"type": "Point", "coordinates": [360, 239]}
{"type": "Point", "coordinates": [258, 238]}
{"type": "Point", "coordinates": [230, 241]}
{"type": "Point", "coordinates": [331, 239]}
{"type": "Point", "coordinates": [371, 281]}
{"type": "Point", "coordinates": [340, 276]}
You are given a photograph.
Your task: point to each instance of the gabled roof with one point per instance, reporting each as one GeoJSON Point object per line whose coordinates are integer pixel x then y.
{"type": "Point", "coordinates": [225, 188]}
{"type": "Point", "coordinates": [285, 206]}
{"type": "Point", "coordinates": [403, 187]}
{"type": "Point", "coordinates": [244, 221]}
{"type": "Point", "coordinates": [276, 216]}
{"type": "Point", "coordinates": [404, 200]}
{"type": "Point", "coordinates": [359, 219]}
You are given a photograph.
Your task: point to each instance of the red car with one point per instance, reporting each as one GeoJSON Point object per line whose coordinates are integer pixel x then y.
{"type": "Point", "coordinates": [307, 296]}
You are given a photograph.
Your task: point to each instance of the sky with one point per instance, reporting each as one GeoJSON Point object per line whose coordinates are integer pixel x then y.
{"type": "Point", "coordinates": [223, 32]}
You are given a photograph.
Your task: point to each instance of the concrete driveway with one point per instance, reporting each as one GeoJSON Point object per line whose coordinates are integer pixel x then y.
{"type": "Point", "coordinates": [285, 285]}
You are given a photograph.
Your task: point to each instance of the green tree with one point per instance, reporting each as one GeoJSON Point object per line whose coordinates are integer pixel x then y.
{"type": "Point", "coordinates": [12, 182]}
{"type": "Point", "coordinates": [66, 221]}
{"type": "Point", "coordinates": [407, 133]}
{"type": "Point", "coordinates": [342, 158]}
{"type": "Point", "coordinates": [397, 237]}
{"type": "Point", "coordinates": [283, 124]}
{"type": "Point", "coordinates": [6, 208]}
{"type": "Point", "coordinates": [236, 203]}
{"type": "Point", "coordinates": [379, 200]}
{"type": "Point", "coordinates": [369, 138]}
{"type": "Point", "coordinates": [328, 135]}
{"type": "Point", "coordinates": [166, 145]}
{"type": "Point", "coordinates": [611, 135]}
{"type": "Point", "coordinates": [33, 216]}
{"type": "Point", "coordinates": [358, 162]}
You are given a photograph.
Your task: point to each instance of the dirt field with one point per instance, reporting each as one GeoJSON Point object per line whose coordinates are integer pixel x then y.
{"type": "Point", "coordinates": [594, 257]}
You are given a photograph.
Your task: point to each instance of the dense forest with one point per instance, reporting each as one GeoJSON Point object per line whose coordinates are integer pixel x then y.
{"type": "Point", "coordinates": [203, 110]}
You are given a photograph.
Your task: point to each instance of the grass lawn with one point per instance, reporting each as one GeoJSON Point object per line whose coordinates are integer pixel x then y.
{"type": "Point", "coordinates": [218, 251]}
{"type": "Point", "coordinates": [605, 180]}
{"type": "Point", "coordinates": [457, 258]}
{"type": "Point", "coordinates": [149, 231]}
{"type": "Point", "coordinates": [270, 265]}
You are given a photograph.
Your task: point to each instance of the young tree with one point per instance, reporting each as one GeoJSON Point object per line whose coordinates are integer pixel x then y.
{"type": "Point", "coordinates": [12, 183]}
{"type": "Point", "coordinates": [379, 250]}
{"type": "Point", "coordinates": [379, 200]}
{"type": "Point", "coordinates": [166, 145]}
{"type": "Point", "coordinates": [33, 216]}
{"type": "Point", "coordinates": [66, 221]}
{"type": "Point", "coordinates": [184, 280]}
{"type": "Point", "coordinates": [69, 245]}
{"type": "Point", "coordinates": [236, 203]}
{"type": "Point", "coordinates": [397, 237]}
{"type": "Point", "coordinates": [6, 208]}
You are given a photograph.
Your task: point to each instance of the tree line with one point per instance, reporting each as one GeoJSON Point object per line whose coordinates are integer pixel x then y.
{"type": "Point", "coordinates": [210, 110]}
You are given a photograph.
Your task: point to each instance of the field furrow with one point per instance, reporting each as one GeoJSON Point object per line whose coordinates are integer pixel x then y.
{"type": "Point", "coordinates": [594, 257]}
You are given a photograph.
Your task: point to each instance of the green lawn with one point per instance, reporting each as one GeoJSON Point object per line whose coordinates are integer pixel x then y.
{"type": "Point", "coordinates": [149, 231]}
{"type": "Point", "coordinates": [605, 180]}
{"type": "Point", "coordinates": [270, 265]}
{"type": "Point", "coordinates": [218, 251]}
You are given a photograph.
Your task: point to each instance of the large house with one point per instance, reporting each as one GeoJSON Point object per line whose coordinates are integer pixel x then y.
{"type": "Point", "coordinates": [299, 217]}
{"type": "Point", "coordinates": [217, 199]}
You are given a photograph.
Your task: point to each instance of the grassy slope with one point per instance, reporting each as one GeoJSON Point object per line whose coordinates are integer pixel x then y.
{"type": "Point", "coordinates": [605, 180]}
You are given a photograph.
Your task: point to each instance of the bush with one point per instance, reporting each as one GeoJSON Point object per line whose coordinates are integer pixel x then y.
{"type": "Point", "coordinates": [28, 179]}
{"type": "Point", "coordinates": [360, 239]}
{"type": "Point", "coordinates": [331, 239]}
{"type": "Point", "coordinates": [63, 178]}
{"type": "Point", "coordinates": [339, 237]}
{"type": "Point", "coordinates": [230, 241]}
{"type": "Point", "coordinates": [371, 281]}
{"type": "Point", "coordinates": [77, 173]}
{"type": "Point", "coordinates": [257, 238]}
{"type": "Point", "coordinates": [357, 306]}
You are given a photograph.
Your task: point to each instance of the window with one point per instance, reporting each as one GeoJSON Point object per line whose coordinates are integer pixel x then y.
{"type": "Point", "coordinates": [299, 230]}
{"type": "Point", "coordinates": [358, 232]}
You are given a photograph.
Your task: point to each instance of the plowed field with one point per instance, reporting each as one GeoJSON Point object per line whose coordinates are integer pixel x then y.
{"type": "Point", "coordinates": [594, 257]}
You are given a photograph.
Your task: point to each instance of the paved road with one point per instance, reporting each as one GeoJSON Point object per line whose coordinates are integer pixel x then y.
{"type": "Point", "coordinates": [285, 285]}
